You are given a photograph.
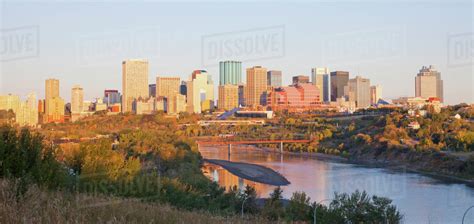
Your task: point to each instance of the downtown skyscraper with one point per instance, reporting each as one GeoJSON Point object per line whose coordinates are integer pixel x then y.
{"type": "Point", "coordinates": [320, 78]}
{"type": "Point", "coordinates": [168, 87]}
{"type": "Point", "coordinates": [77, 102]}
{"type": "Point", "coordinates": [428, 83]}
{"type": "Point", "coordinates": [230, 72]}
{"type": "Point", "coordinates": [339, 79]}
{"type": "Point", "coordinates": [54, 104]}
{"type": "Point", "coordinates": [77, 99]}
{"type": "Point", "coordinates": [274, 78]}
{"type": "Point", "coordinates": [134, 82]}
{"type": "Point", "coordinates": [255, 91]}
{"type": "Point", "coordinates": [200, 92]}
{"type": "Point", "coordinates": [228, 97]}
{"type": "Point", "coordinates": [358, 91]}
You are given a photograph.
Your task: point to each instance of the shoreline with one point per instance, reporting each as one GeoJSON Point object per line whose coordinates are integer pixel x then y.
{"type": "Point", "coordinates": [372, 164]}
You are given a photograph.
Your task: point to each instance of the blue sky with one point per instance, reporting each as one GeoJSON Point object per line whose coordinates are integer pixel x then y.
{"type": "Point", "coordinates": [387, 41]}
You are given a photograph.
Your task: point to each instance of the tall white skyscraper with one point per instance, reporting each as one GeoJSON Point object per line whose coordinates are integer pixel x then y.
{"type": "Point", "coordinates": [77, 99]}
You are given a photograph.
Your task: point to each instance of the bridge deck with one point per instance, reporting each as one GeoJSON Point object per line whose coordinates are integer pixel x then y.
{"type": "Point", "coordinates": [243, 142]}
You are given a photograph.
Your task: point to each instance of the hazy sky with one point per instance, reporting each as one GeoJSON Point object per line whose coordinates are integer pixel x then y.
{"type": "Point", "coordinates": [84, 43]}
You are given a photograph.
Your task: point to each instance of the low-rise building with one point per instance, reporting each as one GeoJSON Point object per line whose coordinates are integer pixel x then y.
{"type": "Point", "coordinates": [418, 103]}
{"type": "Point", "coordinates": [145, 106]}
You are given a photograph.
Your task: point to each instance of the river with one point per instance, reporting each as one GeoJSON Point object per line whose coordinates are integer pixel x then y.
{"type": "Point", "coordinates": [420, 198]}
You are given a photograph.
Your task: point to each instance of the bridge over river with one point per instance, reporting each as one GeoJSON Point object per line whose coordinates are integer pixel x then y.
{"type": "Point", "coordinates": [229, 143]}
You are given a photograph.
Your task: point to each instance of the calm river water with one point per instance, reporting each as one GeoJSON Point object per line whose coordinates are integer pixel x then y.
{"type": "Point", "coordinates": [421, 199]}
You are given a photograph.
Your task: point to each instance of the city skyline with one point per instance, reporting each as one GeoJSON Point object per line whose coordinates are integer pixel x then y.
{"type": "Point", "coordinates": [237, 111]}
{"type": "Point", "coordinates": [179, 53]}
{"type": "Point", "coordinates": [339, 86]}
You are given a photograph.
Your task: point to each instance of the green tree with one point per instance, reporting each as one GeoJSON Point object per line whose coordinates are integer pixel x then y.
{"type": "Point", "coordinates": [299, 208]}
{"type": "Point", "coordinates": [250, 197]}
{"type": "Point", "coordinates": [273, 208]}
{"type": "Point", "coordinates": [360, 208]}
{"type": "Point", "coordinates": [24, 157]}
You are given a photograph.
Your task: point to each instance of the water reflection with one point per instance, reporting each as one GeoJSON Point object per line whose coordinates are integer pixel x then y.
{"type": "Point", "coordinates": [420, 198]}
{"type": "Point", "coordinates": [227, 180]}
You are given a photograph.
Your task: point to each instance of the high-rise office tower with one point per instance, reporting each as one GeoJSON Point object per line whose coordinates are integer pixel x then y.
{"type": "Point", "coordinates": [51, 88]}
{"type": "Point", "coordinates": [54, 110]}
{"type": "Point", "coordinates": [200, 92]}
{"type": "Point", "coordinates": [339, 79]}
{"type": "Point", "coordinates": [428, 83]}
{"type": "Point", "coordinates": [230, 72]}
{"type": "Point", "coordinates": [274, 78]}
{"type": "Point", "coordinates": [77, 99]}
{"type": "Point", "coordinates": [358, 91]}
{"type": "Point", "coordinates": [375, 94]}
{"type": "Point", "coordinates": [228, 97]}
{"type": "Point", "coordinates": [134, 82]}
{"type": "Point", "coordinates": [320, 78]}
{"type": "Point", "coordinates": [300, 79]}
{"type": "Point", "coordinates": [255, 91]}
{"type": "Point", "coordinates": [54, 104]}
{"type": "Point", "coordinates": [167, 86]}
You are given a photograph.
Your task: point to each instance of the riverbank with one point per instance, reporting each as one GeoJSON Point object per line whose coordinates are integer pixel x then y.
{"type": "Point", "coordinates": [252, 172]}
{"type": "Point", "coordinates": [394, 165]}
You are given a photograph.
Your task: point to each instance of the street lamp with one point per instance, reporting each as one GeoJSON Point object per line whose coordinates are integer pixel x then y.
{"type": "Point", "coordinates": [465, 213]}
{"type": "Point", "coordinates": [242, 211]}
{"type": "Point", "coordinates": [316, 207]}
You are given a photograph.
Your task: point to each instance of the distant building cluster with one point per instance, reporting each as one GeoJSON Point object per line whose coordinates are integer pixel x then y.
{"type": "Point", "coordinates": [262, 90]}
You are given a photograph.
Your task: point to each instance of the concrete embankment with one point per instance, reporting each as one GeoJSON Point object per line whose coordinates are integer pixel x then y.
{"type": "Point", "coordinates": [252, 172]}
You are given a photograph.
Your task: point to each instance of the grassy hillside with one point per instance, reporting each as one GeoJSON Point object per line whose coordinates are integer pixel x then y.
{"type": "Point", "coordinates": [41, 206]}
